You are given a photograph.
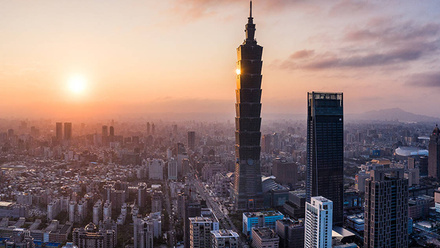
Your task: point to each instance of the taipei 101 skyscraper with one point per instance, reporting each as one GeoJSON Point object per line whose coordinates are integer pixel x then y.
{"type": "Point", "coordinates": [248, 189]}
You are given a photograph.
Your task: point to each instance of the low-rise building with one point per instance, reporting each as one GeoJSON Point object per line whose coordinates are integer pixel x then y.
{"type": "Point", "coordinates": [295, 205]}
{"type": "Point", "coordinates": [264, 237]}
{"type": "Point", "coordinates": [356, 222]}
{"type": "Point", "coordinates": [418, 207]}
{"type": "Point", "coordinates": [291, 233]}
{"type": "Point", "coordinates": [200, 231]}
{"type": "Point", "coordinates": [260, 219]}
{"type": "Point", "coordinates": [91, 237]}
{"type": "Point", "coordinates": [224, 239]}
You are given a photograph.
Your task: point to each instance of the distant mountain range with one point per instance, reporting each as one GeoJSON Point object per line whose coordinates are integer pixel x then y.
{"type": "Point", "coordinates": [393, 114]}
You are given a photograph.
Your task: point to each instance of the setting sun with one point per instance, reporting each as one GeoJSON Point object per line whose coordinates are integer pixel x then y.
{"type": "Point", "coordinates": [77, 84]}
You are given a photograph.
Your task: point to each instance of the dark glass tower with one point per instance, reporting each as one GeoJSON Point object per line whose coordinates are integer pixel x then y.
{"type": "Point", "coordinates": [191, 140]}
{"type": "Point", "coordinates": [67, 130]}
{"type": "Point", "coordinates": [434, 154]}
{"type": "Point", "coordinates": [325, 150]}
{"type": "Point", "coordinates": [59, 131]}
{"type": "Point", "coordinates": [248, 190]}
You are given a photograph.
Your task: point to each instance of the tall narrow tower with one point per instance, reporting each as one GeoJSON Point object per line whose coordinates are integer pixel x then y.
{"type": "Point", "coordinates": [386, 209]}
{"type": "Point", "coordinates": [248, 190]}
{"type": "Point", "coordinates": [434, 154]}
{"type": "Point", "coordinates": [67, 130]}
{"type": "Point", "coordinates": [59, 131]}
{"type": "Point", "coordinates": [325, 150]}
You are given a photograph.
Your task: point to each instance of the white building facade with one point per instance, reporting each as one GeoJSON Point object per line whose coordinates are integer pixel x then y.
{"type": "Point", "coordinates": [318, 226]}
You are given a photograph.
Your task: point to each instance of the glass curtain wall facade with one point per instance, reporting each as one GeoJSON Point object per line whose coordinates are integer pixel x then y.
{"type": "Point", "coordinates": [325, 150]}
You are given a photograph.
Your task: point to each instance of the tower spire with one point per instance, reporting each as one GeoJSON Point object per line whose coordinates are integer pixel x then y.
{"type": "Point", "coordinates": [250, 11]}
{"type": "Point", "coordinates": [250, 27]}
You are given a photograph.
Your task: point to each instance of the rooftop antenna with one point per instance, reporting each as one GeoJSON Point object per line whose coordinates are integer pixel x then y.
{"type": "Point", "coordinates": [250, 12]}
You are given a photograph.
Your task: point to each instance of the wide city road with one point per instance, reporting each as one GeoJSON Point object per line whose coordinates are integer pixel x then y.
{"type": "Point", "coordinates": [225, 221]}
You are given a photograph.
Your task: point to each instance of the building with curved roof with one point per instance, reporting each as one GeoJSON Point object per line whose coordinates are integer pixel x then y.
{"type": "Point", "coordinates": [407, 151]}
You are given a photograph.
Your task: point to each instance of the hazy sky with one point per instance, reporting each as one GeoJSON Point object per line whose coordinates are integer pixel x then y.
{"type": "Point", "coordinates": [140, 57]}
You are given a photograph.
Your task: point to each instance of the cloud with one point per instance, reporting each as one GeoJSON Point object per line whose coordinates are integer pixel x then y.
{"type": "Point", "coordinates": [350, 7]}
{"type": "Point", "coordinates": [426, 79]}
{"type": "Point", "coordinates": [385, 31]}
{"type": "Point", "coordinates": [192, 10]}
{"type": "Point", "coordinates": [302, 54]}
{"type": "Point", "coordinates": [330, 60]}
{"type": "Point", "coordinates": [381, 43]}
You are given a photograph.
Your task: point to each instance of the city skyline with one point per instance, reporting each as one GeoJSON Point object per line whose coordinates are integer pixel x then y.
{"type": "Point", "coordinates": [103, 142]}
{"type": "Point", "coordinates": [150, 58]}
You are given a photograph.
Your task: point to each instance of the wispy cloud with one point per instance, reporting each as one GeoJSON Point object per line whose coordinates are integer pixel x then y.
{"type": "Point", "coordinates": [192, 10]}
{"type": "Point", "coordinates": [426, 79]}
{"type": "Point", "coordinates": [301, 54]}
{"type": "Point", "coordinates": [387, 32]}
{"type": "Point", "coordinates": [381, 43]}
{"type": "Point", "coordinates": [350, 7]}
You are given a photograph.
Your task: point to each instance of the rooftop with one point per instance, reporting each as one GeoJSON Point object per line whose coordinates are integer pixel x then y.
{"type": "Point", "coordinates": [224, 233]}
{"type": "Point", "coordinates": [321, 199]}
{"type": "Point", "coordinates": [290, 222]}
{"type": "Point", "coordinates": [5, 204]}
{"type": "Point", "coordinates": [199, 219]}
{"type": "Point", "coordinates": [264, 233]}
{"type": "Point", "coordinates": [407, 151]}
{"type": "Point", "coordinates": [262, 213]}
{"type": "Point", "coordinates": [340, 232]}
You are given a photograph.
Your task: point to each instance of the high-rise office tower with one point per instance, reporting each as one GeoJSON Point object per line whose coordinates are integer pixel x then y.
{"type": "Point", "coordinates": [156, 201]}
{"type": "Point", "coordinates": [67, 130]}
{"type": "Point", "coordinates": [10, 133]}
{"type": "Point", "coordinates": [104, 134]}
{"type": "Point", "coordinates": [172, 169]}
{"type": "Point", "coordinates": [248, 189]}
{"type": "Point", "coordinates": [104, 131]}
{"type": "Point", "coordinates": [386, 209]}
{"type": "Point", "coordinates": [423, 165]}
{"type": "Point", "coordinates": [266, 141]}
{"type": "Point", "coordinates": [325, 150]}
{"type": "Point", "coordinates": [318, 226]}
{"type": "Point", "coordinates": [153, 129]}
{"type": "Point", "coordinates": [180, 148]}
{"type": "Point", "coordinates": [434, 154]}
{"type": "Point", "coordinates": [97, 212]}
{"type": "Point", "coordinates": [112, 131]}
{"type": "Point", "coordinates": [112, 134]}
{"type": "Point", "coordinates": [191, 140]}
{"type": "Point", "coordinates": [148, 128]}
{"type": "Point", "coordinates": [59, 131]}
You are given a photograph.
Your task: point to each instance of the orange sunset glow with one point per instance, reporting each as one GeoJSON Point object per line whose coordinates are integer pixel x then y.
{"type": "Point", "coordinates": [219, 123]}
{"type": "Point", "coordinates": [103, 58]}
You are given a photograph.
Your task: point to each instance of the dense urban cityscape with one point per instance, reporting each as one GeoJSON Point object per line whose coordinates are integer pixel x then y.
{"type": "Point", "coordinates": [61, 181]}
{"type": "Point", "coordinates": [326, 179]}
